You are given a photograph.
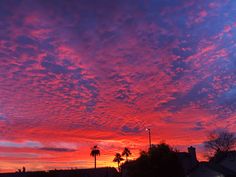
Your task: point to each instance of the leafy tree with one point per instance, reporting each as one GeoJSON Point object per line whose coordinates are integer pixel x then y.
{"type": "Point", "coordinates": [118, 159]}
{"type": "Point", "coordinates": [126, 152]}
{"type": "Point", "coordinates": [220, 141]}
{"type": "Point", "coordinates": [160, 161]}
{"type": "Point", "coordinates": [95, 152]}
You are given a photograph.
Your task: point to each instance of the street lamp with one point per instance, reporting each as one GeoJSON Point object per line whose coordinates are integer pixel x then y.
{"type": "Point", "coordinates": [149, 135]}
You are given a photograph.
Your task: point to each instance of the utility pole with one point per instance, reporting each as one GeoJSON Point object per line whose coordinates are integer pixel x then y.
{"type": "Point", "coordinates": [149, 136]}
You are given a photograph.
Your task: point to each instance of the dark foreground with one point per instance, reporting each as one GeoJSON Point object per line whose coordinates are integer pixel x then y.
{"type": "Point", "coordinates": [99, 172]}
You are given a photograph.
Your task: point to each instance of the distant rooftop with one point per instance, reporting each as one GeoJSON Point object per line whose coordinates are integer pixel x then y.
{"type": "Point", "coordinates": [99, 172]}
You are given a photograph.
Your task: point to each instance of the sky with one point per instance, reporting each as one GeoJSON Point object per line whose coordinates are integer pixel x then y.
{"type": "Point", "coordinates": [79, 73]}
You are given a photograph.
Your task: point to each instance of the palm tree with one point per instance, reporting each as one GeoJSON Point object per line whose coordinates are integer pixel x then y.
{"type": "Point", "coordinates": [95, 152]}
{"type": "Point", "coordinates": [126, 152]}
{"type": "Point", "coordinates": [118, 159]}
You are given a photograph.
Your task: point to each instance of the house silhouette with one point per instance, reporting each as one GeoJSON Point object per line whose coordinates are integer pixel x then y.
{"type": "Point", "coordinates": [188, 159]}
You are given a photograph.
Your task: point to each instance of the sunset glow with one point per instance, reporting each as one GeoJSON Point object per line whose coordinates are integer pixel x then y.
{"type": "Point", "coordinates": [79, 73]}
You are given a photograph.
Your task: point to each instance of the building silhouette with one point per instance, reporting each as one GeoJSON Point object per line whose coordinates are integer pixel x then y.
{"type": "Point", "coordinates": [188, 159]}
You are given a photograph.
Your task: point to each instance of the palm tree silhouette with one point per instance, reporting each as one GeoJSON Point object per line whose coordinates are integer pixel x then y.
{"type": "Point", "coordinates": [126, 152]}
{"type": "Point", "coordinates": [95, 152]}
{"type": "Point", "coordinates": [118, 159]}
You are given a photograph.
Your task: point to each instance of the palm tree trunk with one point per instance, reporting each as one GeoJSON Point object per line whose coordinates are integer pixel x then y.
{"type": "Point", "coordinates": [95, 162]}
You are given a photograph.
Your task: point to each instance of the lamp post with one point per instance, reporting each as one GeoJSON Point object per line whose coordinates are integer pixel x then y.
{"type": "Point", "coordinates": [149, 136]}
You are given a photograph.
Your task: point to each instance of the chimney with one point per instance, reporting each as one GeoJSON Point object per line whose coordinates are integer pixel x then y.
{"type": "Point", "coordinates": [192, 152]}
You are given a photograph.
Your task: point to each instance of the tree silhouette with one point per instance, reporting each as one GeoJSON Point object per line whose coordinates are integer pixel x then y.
{"type": "Point", "coordinates": [161, 160]}
{"type": "Point", "coordinates": [126, 152]}
{"type": "Point", "coordinates": [118, 159]}
{"type": "Point", "coordinates": [95, 152]}
{"type": "Point", "coordinates": [220, 141]}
